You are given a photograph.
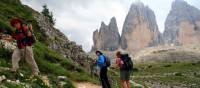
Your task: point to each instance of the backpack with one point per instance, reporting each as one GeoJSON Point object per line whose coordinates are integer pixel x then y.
{"type": "Point", "coordinates": [107, 61]}
{"type": "Point", "coordinates": [128, 64]}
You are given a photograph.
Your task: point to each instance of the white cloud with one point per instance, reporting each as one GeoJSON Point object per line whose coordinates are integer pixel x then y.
{"type": "Point", "coordinates": [79, 18]}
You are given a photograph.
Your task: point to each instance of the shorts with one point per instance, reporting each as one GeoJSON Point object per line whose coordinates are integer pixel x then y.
{"type": "Point", "coordinates": [125, 75]}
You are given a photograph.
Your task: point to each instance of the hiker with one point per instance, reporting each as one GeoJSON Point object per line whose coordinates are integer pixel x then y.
{"type": "Point", "coordinates": [23, 35]}
{"type": "Point", "coordinates": [101, 62]}
{"type": "Point", "coordinates": [124, 70]}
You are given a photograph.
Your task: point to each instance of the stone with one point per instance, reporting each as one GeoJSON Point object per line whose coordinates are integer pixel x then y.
{"type": "Point", "coordinates": [182, 25]}
{"type": "Point", "coordinates": [2, 78]}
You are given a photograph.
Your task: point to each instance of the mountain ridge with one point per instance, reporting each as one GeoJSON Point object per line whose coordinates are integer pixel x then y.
{"type": "Point", "coordinates": [181, 27]}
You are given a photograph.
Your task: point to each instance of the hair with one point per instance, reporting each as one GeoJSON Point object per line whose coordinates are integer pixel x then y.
{"type": "Point", "coordinates": [99, 52]}
{"type": "Point", "coordinates": [118, 53]}
{"type": "Point", "coordinates": [15, 21]}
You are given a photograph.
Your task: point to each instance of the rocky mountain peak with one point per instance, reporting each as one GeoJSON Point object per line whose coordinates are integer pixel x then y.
{"type": "Point", "coordinates": [113, 25]}
{"type": "Point", "coordinates": [103, 24]}
{"type": "Point", "coordinates": [182, 25]}
{"type": "Point", "coordinates": [113, 19]}
{"type": "Point", "coordinates": [178, 4]}
{"type": "Point", "coordinates": [140, 28]}
{"type": "Point", "coordinates": [138, 4]}
{"type": "Point", "coordinates": [107, 38]}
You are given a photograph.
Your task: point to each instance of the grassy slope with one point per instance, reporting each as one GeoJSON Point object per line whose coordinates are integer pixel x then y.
{"type": "Point", "coordinates": [183, 74]}
{"type": "Point", "coordinates": [50, 63]}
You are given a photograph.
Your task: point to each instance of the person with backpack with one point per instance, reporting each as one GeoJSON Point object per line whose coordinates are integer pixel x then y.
{"type": "Point", "coordinates": [103, 64]}
{"type": "Point", "coordinates": [24, 37]}
{"type": "Point", "coordinates": [124, 63]}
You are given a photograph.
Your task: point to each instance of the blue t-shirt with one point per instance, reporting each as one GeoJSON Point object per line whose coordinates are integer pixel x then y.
{"type": "Point", "coordinates": [101, 61]}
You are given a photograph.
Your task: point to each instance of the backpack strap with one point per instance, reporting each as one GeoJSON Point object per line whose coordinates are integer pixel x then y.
{"type": "Point", "coordinates": [105, 58]}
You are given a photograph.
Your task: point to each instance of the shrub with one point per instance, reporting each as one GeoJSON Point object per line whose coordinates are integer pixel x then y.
{"type": "Point", "coordinates": [167, 65]}
{"type": "Point", "coordinates": [150, 66]}
{"type": "Point", "coordinates": [135, 69]}
{"type": "Point", "coordinates": [178, 74]}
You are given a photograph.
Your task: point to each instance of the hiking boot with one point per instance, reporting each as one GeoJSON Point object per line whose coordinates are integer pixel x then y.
{"type": "Point", "coordinates": [13, 70]}
{"type": "Point", "coordinates": [34, 75]}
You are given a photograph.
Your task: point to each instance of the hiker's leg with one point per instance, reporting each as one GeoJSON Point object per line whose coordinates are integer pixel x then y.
{"type": "Point", "coordinates": [16, 56]}
{"type": "Point", "coordinates": [106, 78]}
{"type": "Point", "coordinates": [128, 84]}
{"type": "Point", "coordinates": [123, 77]}
{"type": "Point", "coordinates": [128, 80]}
{"type": "Point", "coordinates": [31, 61]}
{"type": "Point", "coordinates": [123, 83]}
{"type": "Point", "coordinates": [102, 78]}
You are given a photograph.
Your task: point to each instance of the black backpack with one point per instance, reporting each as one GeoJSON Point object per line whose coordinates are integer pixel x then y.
{"type": "Point", "coordinates": [33, 37]}
{"type": "Point", "coordinates": [107, 61]}
{"type": "Point", "coordinates": [128, 64]}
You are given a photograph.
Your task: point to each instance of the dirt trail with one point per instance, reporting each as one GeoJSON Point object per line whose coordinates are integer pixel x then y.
{"type": "Point", "coordinates": [86, 85]}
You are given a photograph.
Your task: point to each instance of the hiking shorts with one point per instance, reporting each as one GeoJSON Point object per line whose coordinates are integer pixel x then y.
{"type": "Point", "coordinates": [125, 75]}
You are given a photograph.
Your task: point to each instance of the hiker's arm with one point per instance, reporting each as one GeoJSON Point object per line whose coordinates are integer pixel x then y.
{"type": "Point", "coordinates": [117, 63]}
{"type": "Point", "coordinates": [27, 31]}
{"type": "Point", "coordinates": [31, 27]}
{"type": "Point", "coordinates": [29, 34]}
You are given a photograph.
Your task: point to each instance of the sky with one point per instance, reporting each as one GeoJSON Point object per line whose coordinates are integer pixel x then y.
{"type": "Point", "coordinates": [77, 19]}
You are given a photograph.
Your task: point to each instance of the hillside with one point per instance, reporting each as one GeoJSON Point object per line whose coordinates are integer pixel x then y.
{"type": "Point", "coordinates": [185, 53]}
{"type": "Point", "coordinates": [60, 65]}
{"type": "Point", "coordinates": [168, 75]}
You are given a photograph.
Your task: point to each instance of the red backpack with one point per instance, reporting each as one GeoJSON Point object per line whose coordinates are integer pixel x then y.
{"type": "Point", "coordinates": [21, 34]}
{"type": "Point", "coordinates": [28, 28]}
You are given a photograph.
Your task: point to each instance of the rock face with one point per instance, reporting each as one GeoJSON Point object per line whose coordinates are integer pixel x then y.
{"type": "Point", "coordinates": [140, 29]}
{"type": "Point", "coordinates": [182, 25]}
{"type": "Point", "coordinates": [107, 38]}
{"type": "Point", "coordinates": [60, 43]}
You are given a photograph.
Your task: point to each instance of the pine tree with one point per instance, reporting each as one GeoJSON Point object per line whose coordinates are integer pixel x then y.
{"type": "Point", "coordinates": [48, 14]}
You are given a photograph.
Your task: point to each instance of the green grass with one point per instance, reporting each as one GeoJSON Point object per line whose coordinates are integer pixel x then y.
{"type": "Point", "coordinates": [173, 74]}
{"type": "Point", "coordinates": [10, 9]}
{"type": "Point", "coordinates": [182, 74]}
{"type": "Point", "coordinates": [50, 63]}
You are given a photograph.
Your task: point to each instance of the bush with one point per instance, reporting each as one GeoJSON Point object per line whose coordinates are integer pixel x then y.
{"type": "Point", "coordinates": [196, 74]}
{"type": "Point", "coordinates": [167, 65]}
{"type": "Point", "coordinates": [135, 69]}
{"type": "Point", "coordinates": [194, 64]}
{"type": "Point", "coordinates": [150, 66]}
{"type": "Point", "coordinates": [178, 74]}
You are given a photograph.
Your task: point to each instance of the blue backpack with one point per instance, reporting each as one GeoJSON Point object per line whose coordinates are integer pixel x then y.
{"type": "Point", "coordinates": [107, 61]}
